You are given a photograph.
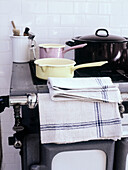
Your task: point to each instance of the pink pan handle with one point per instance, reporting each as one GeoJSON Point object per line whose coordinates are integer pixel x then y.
{"type": "Point", "coordinates": [74, 47]}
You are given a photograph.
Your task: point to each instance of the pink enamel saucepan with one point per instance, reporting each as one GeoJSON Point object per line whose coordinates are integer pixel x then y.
{"type": "Point", "coordinates": [55, 50]}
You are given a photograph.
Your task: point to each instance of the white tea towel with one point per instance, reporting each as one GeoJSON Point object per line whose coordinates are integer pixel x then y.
{"type": "Point", "coordinates": [75, 121]}
{"type": "Point", "coordinates": [88, 89]}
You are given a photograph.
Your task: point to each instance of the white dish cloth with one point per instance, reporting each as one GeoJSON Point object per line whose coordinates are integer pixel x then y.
{"type": "Point", "coordinates": [87, 89]}
{"type": "Point", "coordinates": [76, 120]}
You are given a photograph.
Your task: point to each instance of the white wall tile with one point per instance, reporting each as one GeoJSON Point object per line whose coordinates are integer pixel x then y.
{"type": "Point", "coordinates": [97, 21]}
{"type": "Point", "coordinates": [105, 8]}
{"type": "Point", "coordinates": [4, 92]}
{"type": "Point", "coordinates": [118, 21]}
{"type": "Point", "coordinates": [124, 32]}
{"type": "Point", "coordinates": [41, 34]}
{"type": "Point", "coordinates": [92, 8]}
{"type": "Point", "coordinates": [47, 20]}
{"type": "Point", "coordinates": [116, 8]}
{"type": "Point", "coordinates": [34, 7]}
{"type": "Point", "coordinates": [8, 156]}
{"type": "Point", "coordinates": [102, 0]}
{"type": "Point", "coordinates": [7, 115]}
{"type": "Point", "coordinates": [5, 136]}
{"type": "Point", "coordinates": [4, 20]}
{"type": "Point", "coordinates": [5, 78]}
{"type": "Point", "coordinates": [4, 33]}
{"type": "Point", "coordinates": [7, 148]}
{"type": "Point", "coordinates": [86, 7]}
{"type": "Point", "coordinates": [10, 167]}
{"type": "Point", "coordinates": [114, 31]}
{"type": "Point", "coordinates": [84, 31]}
{"type": "Point", "coordinates": [6, 58]}
{"type": "Point", "coordinates": [80, 7]}
{"type": "Point", "coordinates": [60, 7]}
{"type": "Point", "coordinates": [3, 7]}
{"type": "Point", "coordinates": [5, 82]}
{"type": "Point", "coordinates": [73, 20]}
{"type": "Point", "coordinates": [5, 71]}
{"type": "Point", "coordinates": [14, 8]}
{"type": "Point", "coordinates": [4, 46]}
{"type": "Point", "coordinates": [4, 0]}
{"type": "Point", "coordinates": [57, 33]}
{"type": "Point", "coordinates": [62, 0]}
{"type": "Point", "coordinates": [7, 126]}
{"type": "Point", "coordinates": [124, 5]}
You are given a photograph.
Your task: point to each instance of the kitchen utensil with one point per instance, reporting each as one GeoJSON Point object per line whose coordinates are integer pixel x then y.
{"type": "Point", "coordinates": [33, 49]}
{"type": "Point", "coordinates": [16, 32]}
{"type": "Point", "coordinates": [20, 49]}
{"type": "Point", "coordinates": [59, 67]}
{"type": "Point", "coordinates": [32, 46]}
{"type": "Point", "coordinates": [101, 46]}
{"type": "Point", "coordinates": [26, 32]}
{"type": "Point", "coordinates": [55, 50]}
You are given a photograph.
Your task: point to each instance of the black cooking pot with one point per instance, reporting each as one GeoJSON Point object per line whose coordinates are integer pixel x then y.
{"type": "Point", "coordinates": [101, 47]}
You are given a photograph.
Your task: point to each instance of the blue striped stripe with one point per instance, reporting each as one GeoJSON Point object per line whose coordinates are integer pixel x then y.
{"type": "Point", "coordinates": [80, 125]}
{"type": "Point", "coordinates": [98, 118]}
{"type": "Point", "coordinates": [104, 89]}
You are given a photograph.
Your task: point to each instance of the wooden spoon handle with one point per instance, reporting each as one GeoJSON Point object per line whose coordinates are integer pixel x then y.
{"type": "Point", "coordinates": [13, 24]}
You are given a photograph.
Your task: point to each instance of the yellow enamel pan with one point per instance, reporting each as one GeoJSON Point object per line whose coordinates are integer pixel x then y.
{"type": "Point", "coordinates": [60, 67]}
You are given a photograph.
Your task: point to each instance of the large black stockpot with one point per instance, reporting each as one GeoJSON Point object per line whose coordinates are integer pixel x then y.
{"type": "Point", "coordinates": [102, 47]}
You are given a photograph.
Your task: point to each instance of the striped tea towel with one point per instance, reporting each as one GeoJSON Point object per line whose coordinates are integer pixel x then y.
{"type": "Point", "coordinates": [87, 89]}
{"type": "Point", "coordinates": [77, 120]}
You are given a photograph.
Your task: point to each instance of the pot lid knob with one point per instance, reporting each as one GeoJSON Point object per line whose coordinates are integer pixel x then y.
{"type": "Point", "coordinates": [102, 29]}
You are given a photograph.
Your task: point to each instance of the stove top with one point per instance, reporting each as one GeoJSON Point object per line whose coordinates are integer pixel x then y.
{"type": "Point", "coordinates": [103, 71]}
{"type": "Point", "coordinates": [36, 80]}
{"type": "Point", "coordinates": [115, 75]}
{"type": "Point", "coordinates": [24, 78]}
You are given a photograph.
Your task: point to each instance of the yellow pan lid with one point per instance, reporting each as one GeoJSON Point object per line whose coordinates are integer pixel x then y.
{"type": "Point", "coordinates": [57, 62]}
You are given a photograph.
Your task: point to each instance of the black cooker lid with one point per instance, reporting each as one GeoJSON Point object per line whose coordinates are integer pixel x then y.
{"type": "Point", "coordinates": [100, 37]}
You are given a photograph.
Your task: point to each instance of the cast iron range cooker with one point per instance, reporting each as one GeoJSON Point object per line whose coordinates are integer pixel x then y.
{"type": "Point", "coordinates": [23, 98]}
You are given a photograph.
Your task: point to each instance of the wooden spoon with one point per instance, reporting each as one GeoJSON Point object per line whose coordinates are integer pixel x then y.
{"type": "Point", "coordinates": [16, 32]}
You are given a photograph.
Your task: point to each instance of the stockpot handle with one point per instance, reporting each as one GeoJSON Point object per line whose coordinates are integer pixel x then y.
{"type": "Point", "coordinates": [71, 43]}
{"type": "Point", "coordinates": [102, 29]}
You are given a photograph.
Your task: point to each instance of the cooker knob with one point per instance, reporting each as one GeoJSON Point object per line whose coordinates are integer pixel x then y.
{"type": "Point", "coordinates": [32, 100]}
{"type": "Point", "coordinates": [121, 110]}
{"type": "Point", "coordinates": [17, 144]}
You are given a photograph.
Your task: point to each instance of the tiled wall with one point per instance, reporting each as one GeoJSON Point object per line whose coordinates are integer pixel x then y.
{"type": "Point", "coordinates": [51, 21]}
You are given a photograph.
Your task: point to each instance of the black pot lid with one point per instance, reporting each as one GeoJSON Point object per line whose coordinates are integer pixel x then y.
{"type": "Point", "coordinates": [100, 37]}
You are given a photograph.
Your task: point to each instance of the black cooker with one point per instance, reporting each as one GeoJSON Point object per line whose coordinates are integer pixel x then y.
{"type": "Point", "coordinates": [23, 98]}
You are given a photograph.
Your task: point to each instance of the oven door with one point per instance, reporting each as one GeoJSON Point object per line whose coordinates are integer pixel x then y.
{"type": "Point", "coordinates": [90, 155]}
